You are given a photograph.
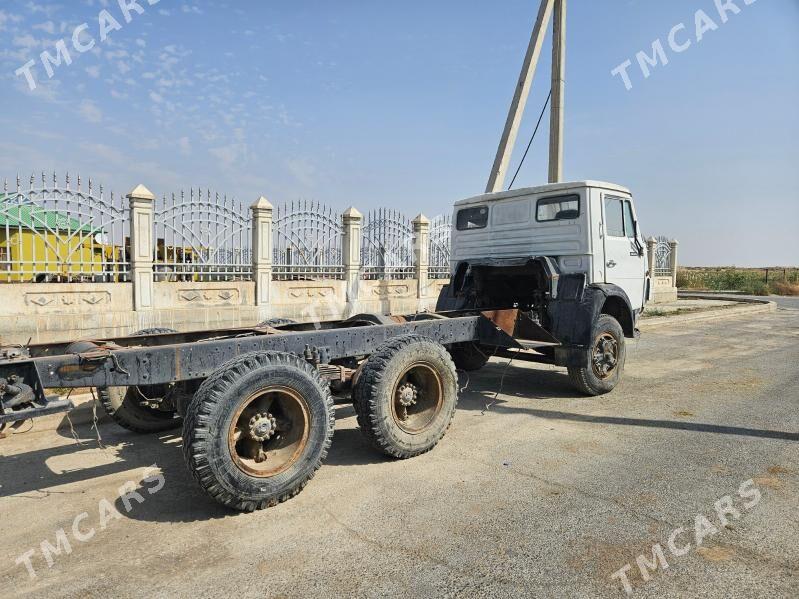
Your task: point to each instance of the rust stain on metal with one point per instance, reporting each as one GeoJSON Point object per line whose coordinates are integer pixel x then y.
{"type": "Point", "coordinates": [76, 371]}
{"type": "Point", "coordinates": [504, 319]}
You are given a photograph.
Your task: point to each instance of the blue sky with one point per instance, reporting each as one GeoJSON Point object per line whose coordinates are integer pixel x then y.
{"type": "Point", "coordinates": [401, 104]}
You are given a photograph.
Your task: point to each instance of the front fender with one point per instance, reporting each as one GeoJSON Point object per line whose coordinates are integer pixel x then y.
{"type": "Point", "coordinates": [573, 314]}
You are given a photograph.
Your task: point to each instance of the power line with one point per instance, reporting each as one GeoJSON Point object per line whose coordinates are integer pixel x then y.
{"type": "Point", "coordinates": [537, 125]}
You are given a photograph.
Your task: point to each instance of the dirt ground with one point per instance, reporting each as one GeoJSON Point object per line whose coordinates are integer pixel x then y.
{"type": "Point", "coordinates": [534, 490]}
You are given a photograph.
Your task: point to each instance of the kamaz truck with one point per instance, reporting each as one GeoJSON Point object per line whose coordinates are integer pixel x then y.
{"type": "Point", "coordinates": [570, 257]}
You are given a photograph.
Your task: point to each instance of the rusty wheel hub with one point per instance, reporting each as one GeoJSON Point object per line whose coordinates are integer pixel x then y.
{"type": "Point", "coordinates": [263, 426]}
{"type": "Point", "coordinates": [407, 393]}
{"type": "Point", "coordinates": [269, 431]}
{"type": "Point", "coordinates": [605, 355]}
{"type": "Point", "coordinates": [418, 396]}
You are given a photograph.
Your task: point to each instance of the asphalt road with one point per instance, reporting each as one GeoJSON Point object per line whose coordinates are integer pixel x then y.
{"type": "Point", "coordinates": [536, 491]}
{"type": "Point", "coordinates": [788, 302]}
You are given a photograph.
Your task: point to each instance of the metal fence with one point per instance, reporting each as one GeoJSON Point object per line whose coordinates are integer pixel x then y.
{"type": "Point", "coordinates": [663, 257]}
{"type": "Point", "coordinates": [201, 236]}
{"type": "Point", "coordinates": [307, 242]}
{"type": "Point", "coordinates": [74, 231]}
{"type": "Point", "coordinates": [387, 246]}
{"type": "Point", "coordinates": [440, 234]}
{"type": "Point", "coordinates": [52, 232]}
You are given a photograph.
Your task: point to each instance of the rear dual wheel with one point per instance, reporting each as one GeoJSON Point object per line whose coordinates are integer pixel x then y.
{"type": "Point", "coordinates": [258, 429]}
{"type": "Point", "coordinates": [276, 322]}
{"type": "Point", "coordinates": [142, 409]}
{"type": "Point", "coordinates": [406, 395]}
{"type": "Point", "coordinates": [468, 356]}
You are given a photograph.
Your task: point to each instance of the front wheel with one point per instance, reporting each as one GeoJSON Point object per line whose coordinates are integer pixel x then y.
{"type": "Point", "coordinates": [605, 359]}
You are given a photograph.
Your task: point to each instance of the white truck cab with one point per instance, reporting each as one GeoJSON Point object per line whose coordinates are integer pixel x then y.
{"type": "Point", "coordinates": [587, 227]}
{"type": "Point", "coordinates": [570, 255]}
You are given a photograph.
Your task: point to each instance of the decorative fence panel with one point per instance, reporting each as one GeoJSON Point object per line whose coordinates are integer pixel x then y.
{"type": "Point", "coordinates": [74, 232]}
{"type": "Point", "coordinates": [54, 233]}
{"type": "Point", "coordinates": [663, 257]}
{"type": "Point", "coordinates": [202, 237]}
{"type": "Point", "coordinates": [307, 240]}
{"type": "Point", "coordinates": [440, 234]}
{"type": "Point", "coordinates": [387, 250]}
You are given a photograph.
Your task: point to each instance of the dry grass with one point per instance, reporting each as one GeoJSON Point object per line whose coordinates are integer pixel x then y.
{"type": "Point", "coordinates": [753, 281]}
{"type": "Point", "coordinates": [786, 288]}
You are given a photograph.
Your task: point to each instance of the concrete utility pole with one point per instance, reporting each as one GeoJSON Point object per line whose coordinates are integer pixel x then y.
{"type": "Point", "coordinates": [558, 91]}
{"type": "Point", "coordinates": [496, 181]}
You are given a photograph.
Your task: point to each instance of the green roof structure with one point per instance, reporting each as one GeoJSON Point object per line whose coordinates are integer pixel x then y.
{"type": "Point", "coordinates": [34, 217]}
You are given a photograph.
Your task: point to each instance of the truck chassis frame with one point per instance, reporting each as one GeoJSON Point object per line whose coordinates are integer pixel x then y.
{"type": "Point", "coordinates": [316, 355]}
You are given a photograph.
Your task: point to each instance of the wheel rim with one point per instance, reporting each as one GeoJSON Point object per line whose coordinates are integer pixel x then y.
{"type": "Point", "coordinates": [605, 355]}
{"type": "Point", "coordinates": [417, 397]}
{"type": "Point", "coordinates": [269, 431]}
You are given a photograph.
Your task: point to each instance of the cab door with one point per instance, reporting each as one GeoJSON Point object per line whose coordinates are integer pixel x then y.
{"type": "Point", "coordinates": [625, 261]}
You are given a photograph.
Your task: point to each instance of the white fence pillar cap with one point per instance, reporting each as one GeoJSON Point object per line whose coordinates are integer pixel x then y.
{"type": "Point", "coordinates": [352, 212]}
{"type": "Point", "coordinates": [421, 219]}
{"type": "Point", "coordinates": [140, 192]}
{"type": "Point", "coordinates": [262, 204]}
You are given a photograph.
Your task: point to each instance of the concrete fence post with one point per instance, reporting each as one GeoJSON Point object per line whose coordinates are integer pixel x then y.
{"type": "Point", "coordinates": [651, 244]}
{"type": "Point", "coordinates": [421, 253]}
{"type": "Point", "coordinates": [262, 250]}
{"type": "Point", "coordinates": [141, 246]}
{"type": "Point", "coordinates": [673, 245]}
{"type": "Point", "coordinates": [352, 221]}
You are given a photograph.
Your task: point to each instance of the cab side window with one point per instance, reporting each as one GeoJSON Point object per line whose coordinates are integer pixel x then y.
{"type": "Point", "coordinates": [629, 226]}
{"type": "Point", "coordinates": [614, 217]}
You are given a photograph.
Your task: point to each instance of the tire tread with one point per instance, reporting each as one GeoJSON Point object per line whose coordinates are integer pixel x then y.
{"type": "Point", "coordinates": [365, 394]}
{"type": "Point", "coordinates": [196, 430]}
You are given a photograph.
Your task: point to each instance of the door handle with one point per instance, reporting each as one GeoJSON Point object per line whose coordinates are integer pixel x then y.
{"type": "Point", "coordinates": [611, 263]}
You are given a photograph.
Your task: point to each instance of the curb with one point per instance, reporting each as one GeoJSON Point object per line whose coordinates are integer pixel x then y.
{"type": "Point", "coordinates": [752, 306]}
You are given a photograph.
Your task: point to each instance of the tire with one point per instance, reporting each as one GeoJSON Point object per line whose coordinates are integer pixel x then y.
{"type": "Point", "coordinates": [600, 378]}
{"type": "Point", "coordinates": [124, 404]}
{"type": "Point", "coordinates": [396, 429]}
{"type": "Point", "coordinates": [229, 409]}
{"type": "Point", "coordinates": [153, 331]}
{"type": "Point", "coordinates": [275, 322]}
{"type": "Point", "coordinates": [468, 356]}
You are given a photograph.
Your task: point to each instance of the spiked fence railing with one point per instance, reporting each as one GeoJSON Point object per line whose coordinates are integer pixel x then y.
{"type": "Point", "coordinates": [440, 233]}
{"type": "Point", "coordinates": [387, 250]}
{"type": "Point", "coordinates": [202, 236]}
{"type": "Point", "coordinates": [55, 230]}
{"type": "Point", "coordinates": [52, 231]}
{"type": "Point", "coordinates": [307, 240]}
{"type": "Point", "coordinates": [663, 257]}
